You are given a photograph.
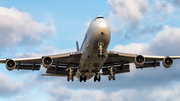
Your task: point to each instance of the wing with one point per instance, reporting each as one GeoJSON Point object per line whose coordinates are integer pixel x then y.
{"type": "Point", "coordinates": [58, 66]}
{"type": "Point", "coordinates": [120, 62]}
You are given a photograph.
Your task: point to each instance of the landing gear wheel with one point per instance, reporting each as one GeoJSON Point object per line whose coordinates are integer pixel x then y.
{"type": "Point", "coordinates": [68, 78]}
{"type": "Point", "coordinates": [84, 78]}
{"type": "Point", "coordinates": [95, 78]}
{"type": "Point", "coordinates": [109, 78]}
{"type": "Point", "coordinates": [113, 77]}
{"type": "Point", "coordinates": [72, 79]}
{"type": "Point", "coordinates": [80, 78]}
{"type": "Point", "coordinates": [99, 79]}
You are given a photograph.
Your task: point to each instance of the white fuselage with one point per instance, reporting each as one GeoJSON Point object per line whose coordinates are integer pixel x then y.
{"type": "Point", "coordinates": [91, 60]}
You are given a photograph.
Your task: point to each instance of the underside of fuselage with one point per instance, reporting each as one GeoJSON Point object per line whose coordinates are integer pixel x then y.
{"type": "Point", "coordinates": [94, 48]}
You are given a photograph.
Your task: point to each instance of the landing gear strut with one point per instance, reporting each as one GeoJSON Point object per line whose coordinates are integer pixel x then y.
{"type": "Point", "coordinates": [112, 72]}
{"type": "Point", "coordinates": [100, 44]}
{"type": "Point", "coordinates": [70, 73]}
{"type": "Point", "coordinates": [97, 77]}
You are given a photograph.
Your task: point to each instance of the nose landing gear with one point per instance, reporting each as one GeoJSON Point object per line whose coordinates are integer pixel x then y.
{"type": "Point", "coordinates": [100, 44]}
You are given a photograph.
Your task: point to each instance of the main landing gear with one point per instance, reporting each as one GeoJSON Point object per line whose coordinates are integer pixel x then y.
{"type": "Point", "coordinates": [111, 77]}
{"type": "Point", "coordinates": [70, 78]}
{"type": "Point", "coordinates": [112, 72]}
{"type": "Point", "coordinates": [97, 77]}
{"type": "Point", "coordinates": [70, 74]}
{"type": "Point", "coordinates": [82, 78]}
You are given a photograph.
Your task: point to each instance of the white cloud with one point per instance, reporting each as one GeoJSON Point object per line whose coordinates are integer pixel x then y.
{"type": "Point", "coordinates": [169, 35]}
{"type": "Point", "coordinates": [9, 86]}
{"type": "Point", "coordinates": [18, 27]}
{"type": "Point", "coordinates": [130, 10]}
{"type": "Point", "coordinates": [135, 48]}
{"type": "Point", "coordinates": [49, 50]}
{"type": "Point", "coordinates": [112, 22]}
{"type": "Point", "coordinates": [164, 43]}
{"type": "Point", "coordinates": [135, 17]}
{"type": "Point", "coordinates": [175, 2]}
{"type": "Point", "coordinates": [57, 89]}
{"type": "Point", "coordinates": [165, 93]}
{"type": "Point", "coordinates": [164, 7]}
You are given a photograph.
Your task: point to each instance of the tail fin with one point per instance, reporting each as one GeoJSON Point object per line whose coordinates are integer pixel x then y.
{"type": "Point", "coordinates": [77, 46]}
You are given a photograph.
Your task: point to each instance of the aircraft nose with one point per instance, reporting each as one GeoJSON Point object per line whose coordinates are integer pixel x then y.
{"type": "Point", "coordinates": [102, 28]}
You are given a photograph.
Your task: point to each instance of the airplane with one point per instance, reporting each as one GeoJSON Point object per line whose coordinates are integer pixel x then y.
{"type": "Point", "coordinates": [92, 59]}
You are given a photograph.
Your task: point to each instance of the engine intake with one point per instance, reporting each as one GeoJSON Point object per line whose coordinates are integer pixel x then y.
{"type": "Point", "coordinates": [139, 60]}
{"type": "Point", "coordinates": [47, 62]}
{"type": "Point", "coordinates": [167, 62]}
{"type": "Point", "coordinates": [10, 64]}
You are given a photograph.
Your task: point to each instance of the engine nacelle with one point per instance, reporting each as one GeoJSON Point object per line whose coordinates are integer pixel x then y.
{"type": "Point", "coordinates": [139, 60]}
{"type": "Point", "coordinates": [167, 62]}
{"type": "Point", "coordinates": [47, 62]}
{"type": "Point", "coordinates": [10, 64]}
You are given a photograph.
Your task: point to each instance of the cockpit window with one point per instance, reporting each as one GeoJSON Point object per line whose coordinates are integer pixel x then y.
{"type": "Point", "coordinates": [99, 17]}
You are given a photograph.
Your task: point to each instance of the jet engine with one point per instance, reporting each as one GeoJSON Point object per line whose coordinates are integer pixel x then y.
{"type": "Point", "coordinates": [139, 60]}
{"type": "Point", "coordinates": [167, 62]}
{"type": "Point", "coordinates": [10, 64]}
{"type": "Point", "coordinates": [47, 62]}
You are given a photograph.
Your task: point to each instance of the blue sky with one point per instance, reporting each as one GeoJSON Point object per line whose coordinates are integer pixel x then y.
{"type": "Point", "coordinates": [42, 27]}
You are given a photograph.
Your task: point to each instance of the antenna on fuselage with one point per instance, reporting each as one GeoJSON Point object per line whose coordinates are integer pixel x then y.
{"type": "Point", "coordinates": [77, 46]}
